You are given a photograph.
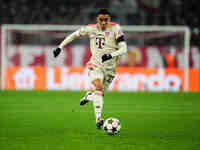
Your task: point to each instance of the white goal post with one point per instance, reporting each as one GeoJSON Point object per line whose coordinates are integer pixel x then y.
{"type": "Point", "coordinates": [169, 29]}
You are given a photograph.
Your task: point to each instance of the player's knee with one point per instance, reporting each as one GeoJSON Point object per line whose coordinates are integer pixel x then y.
{"type": "Point", "coordinates": [98, 85]}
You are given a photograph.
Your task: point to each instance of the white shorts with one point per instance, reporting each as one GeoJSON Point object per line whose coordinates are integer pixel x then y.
{"type": "Point", "coordinates": [105, 75]}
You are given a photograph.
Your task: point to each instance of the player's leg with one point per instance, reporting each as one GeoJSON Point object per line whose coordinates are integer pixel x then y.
{"type": "Point", "coordinates": [94, 73]}
{"type": "Point", "coordinates": [96, 76]}
{"type": "Point", "coordinates": [101, 83]}
{"type": "Point", "coordinates": [108, 78]}
{"type": "Point", "coordinates": [97, 98]}
{"type": "Point", "coordinates": [95, 94]}
{"type": "Point", "coordinates": [98, 101]}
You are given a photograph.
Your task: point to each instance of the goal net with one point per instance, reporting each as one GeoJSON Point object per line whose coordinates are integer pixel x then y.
{"type": "Point", "coordinates": [27, 61]}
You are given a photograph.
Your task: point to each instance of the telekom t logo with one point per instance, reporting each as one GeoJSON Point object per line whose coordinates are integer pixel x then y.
{"type": "Point", "coordinates": [100, 41]}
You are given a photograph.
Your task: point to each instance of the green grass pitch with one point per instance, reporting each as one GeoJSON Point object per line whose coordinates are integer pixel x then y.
{"type": "Point", "coordinates": [54, 120]}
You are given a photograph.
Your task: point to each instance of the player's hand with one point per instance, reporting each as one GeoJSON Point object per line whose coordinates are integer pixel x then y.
{"type": "Point", "coordinates": [106, 57]}
{"type": "Point", "coordinates": [56, 52]}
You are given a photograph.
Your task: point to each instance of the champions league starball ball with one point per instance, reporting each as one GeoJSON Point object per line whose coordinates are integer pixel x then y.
{"type": "Point", "coordinates": [111, 126]}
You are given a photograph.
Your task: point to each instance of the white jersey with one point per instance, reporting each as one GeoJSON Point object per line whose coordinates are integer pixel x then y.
{"type": "Point", "coordinates": [101, 42]}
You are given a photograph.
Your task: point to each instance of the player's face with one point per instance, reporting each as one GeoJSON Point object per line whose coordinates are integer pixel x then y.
{"type": "Point", "coordinates": [103, 21]}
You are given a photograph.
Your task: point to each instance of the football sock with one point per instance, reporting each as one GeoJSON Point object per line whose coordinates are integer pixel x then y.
{"type": "Point", "coordinates": [98, 103]}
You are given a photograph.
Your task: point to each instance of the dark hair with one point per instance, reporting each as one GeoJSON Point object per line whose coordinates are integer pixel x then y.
{"type": "Point", "coordinates": [103, 11]}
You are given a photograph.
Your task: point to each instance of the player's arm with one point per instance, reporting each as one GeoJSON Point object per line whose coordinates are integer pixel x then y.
{"type": "Point", "coordinates": [80, 32]}
{"type": "Point", "coordinates": [122, 49]}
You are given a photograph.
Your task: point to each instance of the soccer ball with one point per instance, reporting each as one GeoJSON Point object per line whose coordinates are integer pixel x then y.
{"type": "Point", "coordinates": [111, 126]}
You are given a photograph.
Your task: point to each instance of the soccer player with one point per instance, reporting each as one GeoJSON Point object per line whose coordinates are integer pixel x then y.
{"type": "Point", "coordinates": [106, 44]}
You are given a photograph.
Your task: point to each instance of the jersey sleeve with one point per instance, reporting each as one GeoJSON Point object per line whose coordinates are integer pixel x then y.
{"type": "Point", "coordinates": [83, 31]}
{"type": "Point", "coordinates": [121, 43]}
{"type": "Point", "coordinates": [80, 32]}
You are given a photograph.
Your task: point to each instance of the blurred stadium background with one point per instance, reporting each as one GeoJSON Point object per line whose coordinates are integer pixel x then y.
{"type": "Point", "coordinates": [39, 97]}
{"type": "Point", "coordinates": [161, 52]}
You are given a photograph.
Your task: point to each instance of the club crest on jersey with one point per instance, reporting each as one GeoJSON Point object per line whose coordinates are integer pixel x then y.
{"type": "Point", "coordinates": [107, 34]}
